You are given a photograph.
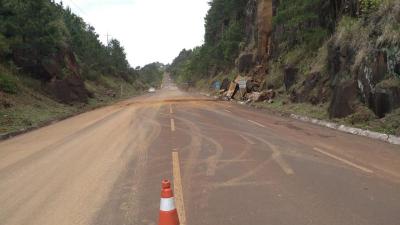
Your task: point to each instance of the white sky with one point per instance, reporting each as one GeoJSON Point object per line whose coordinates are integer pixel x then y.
{"type": "Point", "coordinates": [149, 30]}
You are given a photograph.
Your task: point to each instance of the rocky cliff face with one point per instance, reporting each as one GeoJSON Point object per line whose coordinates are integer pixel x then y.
{"type": "Point", "coordinates": [66, 82]}
{"type": "Point", "coordinates": [326, 52]}
{"type": "Point", "coordinates": [59, 72]}
{"type": "Point", "coordinates": [369, 52]}
{"type": "Point", "coordinates": [256, 49]}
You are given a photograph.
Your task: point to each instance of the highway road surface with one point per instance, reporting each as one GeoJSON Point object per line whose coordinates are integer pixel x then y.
{"type": "Point", "coordinates": [230, 165]}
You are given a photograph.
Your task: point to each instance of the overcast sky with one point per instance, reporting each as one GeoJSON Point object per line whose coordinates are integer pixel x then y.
{"type": "Point", "coordinates": [149, 30]}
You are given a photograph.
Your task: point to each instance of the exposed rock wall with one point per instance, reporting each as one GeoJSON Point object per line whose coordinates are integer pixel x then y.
{"type": "Point", "coordinates": [366, 55]}
{"type": "Point", "coordinates": [264, 29]}
{"type": "Point", "coordinates": [345, 7]}
{"type": "Point", "coordinates": [359, 68]}
{"type": "Point", "coordinates": [256, 50]}
{"type": "Point", "coordinates": [60, 74]}
{"type": "Point", "coordinates": [65, 83]}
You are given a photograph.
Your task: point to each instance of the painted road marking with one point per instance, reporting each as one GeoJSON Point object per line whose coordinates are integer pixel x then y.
{"type": "Point", "coordinates": [227, 111]}
{"type": "Point", "coordinates": [170, 109]}
{"type": "Point", "coordinates": [247, 139]}
{"type": "Point", "coordinates": [178, 188]}
{"type": "Point", "coordinates": [277, 157]}
{"type": "Point", "coordinates": [282, 163]}
{"type": "Point", "coordinates": [344, 161]}
{"type": "Point", "coordinates": [256, 123]}
{"type": "Point", "coordinates": [172, 125]}
{"type": "Point", "coordinates": [250, 183]}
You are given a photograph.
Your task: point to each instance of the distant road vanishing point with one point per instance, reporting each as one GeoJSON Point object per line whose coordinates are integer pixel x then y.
{"type": "Point", "coordinates": [229, 164]}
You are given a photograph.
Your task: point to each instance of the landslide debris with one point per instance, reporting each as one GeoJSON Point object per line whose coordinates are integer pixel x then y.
{"type": "Point", "coordinates": [339, 56]}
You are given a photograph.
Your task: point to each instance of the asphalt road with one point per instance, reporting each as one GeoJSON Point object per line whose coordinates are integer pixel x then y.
{"type": "Point", "coordinates": [230, 165]}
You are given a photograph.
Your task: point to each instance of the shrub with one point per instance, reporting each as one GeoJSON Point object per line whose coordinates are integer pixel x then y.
{"type": "Point", "coordinates": [8, 84]}
{"type": "Point", "coordinates": [362, 115]}
{"type": "Point", "coordinates": [107, 82]}
{"type": "Point", "coordinates": [4, 46]}
{"type": "Point", "coordinates": [368, 6]}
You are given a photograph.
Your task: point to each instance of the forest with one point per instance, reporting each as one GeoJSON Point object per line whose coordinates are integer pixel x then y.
{"type": "Point", "coordinates": [336, 60]}
{"type": "Point", "coordinates": [39, 36]}
{"type": "Point", "coordinates": [52, 64]}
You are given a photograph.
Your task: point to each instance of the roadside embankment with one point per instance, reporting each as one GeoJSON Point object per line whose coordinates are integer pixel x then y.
{"type": "Point", "coordinates": [31, 108]}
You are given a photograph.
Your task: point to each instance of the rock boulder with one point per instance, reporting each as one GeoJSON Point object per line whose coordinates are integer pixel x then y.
{"type": "Point", "coordinates": [289, 76]}
{"type": "Point", "coordinates": [342, 103]}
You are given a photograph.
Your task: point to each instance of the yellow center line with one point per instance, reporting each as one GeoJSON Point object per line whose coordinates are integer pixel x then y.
{"type": "Point", "coordinates": [345, 161]}
{"type": "Point", "coordinates": [256, 123]}
{"type": "Point", "coordinates": [172, 125]}
{"type": "Point", "coordinates": [178, 188]}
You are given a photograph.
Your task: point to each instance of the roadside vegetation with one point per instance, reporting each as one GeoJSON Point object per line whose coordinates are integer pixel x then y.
{"type": "Point", "coordinates": [220, 48]}
{"type": "Point", "coordinates": [52, 65]}
{"type": "Point", "coordinates": [334, 60]}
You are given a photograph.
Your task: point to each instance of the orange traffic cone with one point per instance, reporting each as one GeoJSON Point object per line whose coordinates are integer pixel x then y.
{"type": "Point", "coordinates": [168, 212]}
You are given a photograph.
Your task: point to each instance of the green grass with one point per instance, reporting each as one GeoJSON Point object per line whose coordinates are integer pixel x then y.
{"type": "Point", "coordinates": [388, 125]}
{"type": "Point", "coordinates": [8, 83]}
{"type": "Point", "coordinates": [30, 107]}
{"type": "Point", "coordinates": [281, 104]}
{"type": "Point", "coordinates": [363, 118]}
{"type": "Point", "coordinates": [30, 116]}
{"type": "Point", "coordinates": [30, 111]}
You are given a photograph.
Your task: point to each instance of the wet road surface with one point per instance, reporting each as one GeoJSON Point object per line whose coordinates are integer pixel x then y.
{"type": "Point", "coordinates": [229, 164]}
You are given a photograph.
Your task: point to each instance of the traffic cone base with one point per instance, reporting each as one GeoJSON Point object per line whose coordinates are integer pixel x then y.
{"type": "Point", "coordinates": [169, 217]}
{"type": "Point", "coordinates": [168, 212]}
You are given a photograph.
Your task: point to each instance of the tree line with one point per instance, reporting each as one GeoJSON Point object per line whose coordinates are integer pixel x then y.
{"type": "Point", "coordinates": [224, 33]}
{"type": "Point", "coordinates": [47, 40]}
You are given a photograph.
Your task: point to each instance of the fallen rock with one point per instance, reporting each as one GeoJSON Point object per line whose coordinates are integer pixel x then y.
{"type": "Point", "coordinates": [266, 95]}
{"type": "Point", "coordinates": [225, 84]}
{"type": "Point", "coordinates": [233, 88]}
{"type": "Point", "coordinates": [261, 96]}
{"type": "Point", "coordinates": [240, 94]}
{"type": "Point", "coordinates": [225, 98]}
{"type": "Point", "coordinates": [343, 99]}
{"type": "Point", "coordinates": [254, 96]}
{"type": "Point", "coordinates": [252, 86]}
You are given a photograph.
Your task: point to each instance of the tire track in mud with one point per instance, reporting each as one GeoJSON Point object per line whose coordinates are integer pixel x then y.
{"type": "Point", "coordinates": [193, 149]}
{"type": "Point", "coordinates": [92, 164]}
{"type": "Point", "coordinates": [10, 169]}
{"type": "Point", "coordinates": [213, 163]}
{"type": "Point", "coordinates": [62, 156]}
{"type": "Point", "coordinates": [122, 206]}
